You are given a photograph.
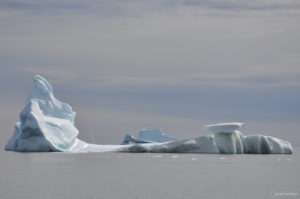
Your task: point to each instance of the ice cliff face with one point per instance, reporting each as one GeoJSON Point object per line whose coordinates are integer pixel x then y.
{"type": "Point", "coordinates": [230, 140]}
{"type": "Point", "coordinates": [47, 124]}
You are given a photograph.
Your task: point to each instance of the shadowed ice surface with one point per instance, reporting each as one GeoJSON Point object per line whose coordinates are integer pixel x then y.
{"type": "Point", "coordinates": [148, 176]}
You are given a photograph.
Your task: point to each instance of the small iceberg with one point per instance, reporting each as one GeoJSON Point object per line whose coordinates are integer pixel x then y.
{"type": "Point", "coordinates": [47, 125]}
{"type": "Point", "coordinates": [148, 135]}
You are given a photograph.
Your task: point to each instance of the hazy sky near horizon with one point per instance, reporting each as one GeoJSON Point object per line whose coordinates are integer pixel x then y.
{"type": "Point", "coordinates": [176, 65]}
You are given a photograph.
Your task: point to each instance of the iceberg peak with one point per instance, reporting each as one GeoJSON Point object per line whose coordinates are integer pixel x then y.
{"type": "Point", "coordinates": [41, 87]}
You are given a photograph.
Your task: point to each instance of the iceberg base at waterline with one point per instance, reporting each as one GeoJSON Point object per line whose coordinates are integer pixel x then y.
{"type": "Point", "coordinates": [47, 125]}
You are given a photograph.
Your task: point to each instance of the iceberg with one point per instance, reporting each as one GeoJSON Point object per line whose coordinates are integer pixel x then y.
{"type": "Point", "coordinates": [202, 144]}
{"type": "Point", "coordinates": [47, 125]}
{"type": "Point", "coordinates": [130, 139]}
{"type": "Point", "coordinates": [230, 140]}
{"type": "Point", "coordinates": [148, 135]}
{"type": "Point", "coordinates": [154, 135]}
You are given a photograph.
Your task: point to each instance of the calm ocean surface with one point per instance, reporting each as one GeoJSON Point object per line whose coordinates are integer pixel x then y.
{"type": "Point", "coordinates": [144, 175]}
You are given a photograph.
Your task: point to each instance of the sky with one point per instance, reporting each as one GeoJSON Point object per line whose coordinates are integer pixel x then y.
{"type": "Point", "coordinates": [175, 65]}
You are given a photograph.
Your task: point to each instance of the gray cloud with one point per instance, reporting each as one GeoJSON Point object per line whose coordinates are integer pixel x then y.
{"type": "Point", "coordinates": [206, 61]}
{"type": "Point", "coordinates": [244, 5]}
{"type": "Point", "coordinates": [117, 7]}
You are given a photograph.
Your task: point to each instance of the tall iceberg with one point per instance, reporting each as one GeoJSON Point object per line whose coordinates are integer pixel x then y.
{"type": "Point", "coordinates": [47, 124]}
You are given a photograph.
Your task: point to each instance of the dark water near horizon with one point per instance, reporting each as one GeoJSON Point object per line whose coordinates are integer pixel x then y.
{"type": "Point", "coordinates": [145, 175]}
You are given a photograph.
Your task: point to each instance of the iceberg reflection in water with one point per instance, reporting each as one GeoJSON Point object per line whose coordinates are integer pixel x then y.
{"type": "Point", "coordinates": [47, 124]}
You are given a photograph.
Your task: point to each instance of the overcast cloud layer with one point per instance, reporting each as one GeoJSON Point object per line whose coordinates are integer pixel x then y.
{"type": "Point", "coordinates": [176, 65]}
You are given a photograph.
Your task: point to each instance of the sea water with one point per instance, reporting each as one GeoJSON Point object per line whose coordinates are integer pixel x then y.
{"type": "Point", "coordinates": [148, 175]}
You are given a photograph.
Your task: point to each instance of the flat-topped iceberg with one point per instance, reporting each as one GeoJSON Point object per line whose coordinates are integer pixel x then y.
{"type": "Point", "coordinates": [47, 124]}
{"type": "Point", "coordinates": [230, 140]}
{"type": "Point", "coordinates": [148, 135]}
{"type": "Point", "coordinates": [224, 127]}
{"type": "Point", "coordinates": [155, 135]}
